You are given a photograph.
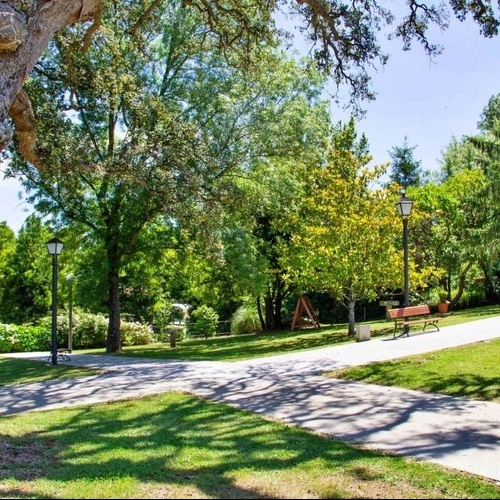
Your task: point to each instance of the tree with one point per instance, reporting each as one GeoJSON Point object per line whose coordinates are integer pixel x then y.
{"type": "Point", "coordinates": [131, 136]}
{"type": "Point", "coordinates": [459, 155]}
{"type": "Point", "coordinates": [25, 287]}
{"type": "Point", "coordinates": [7, 242]}
{"type": "Point", "coordinates": [344, 37]}
{"type": "Point", "coordinates": [490, 116]}
{"type": "Point", "coordinates": [344, 232]}
{"type": "Point", "coordinates": [451, 229]}
{"type": "Point", "coordinates": [122, 157]}
{"type": "Point", "coordinates": [486, 147]}
{"type": "Point", "coordinates": [233, 252]}
{"type": "Point", "coordinates": [405, 170]}
{"type": "Point", "coordinates": [7, 248]}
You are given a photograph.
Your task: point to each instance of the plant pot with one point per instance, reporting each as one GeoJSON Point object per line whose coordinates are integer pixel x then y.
{"type": "Point", "coordinates": [443, 307]}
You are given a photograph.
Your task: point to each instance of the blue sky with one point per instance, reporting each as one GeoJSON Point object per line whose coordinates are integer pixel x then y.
{"type": "Point", "coordinates": [429, 102]}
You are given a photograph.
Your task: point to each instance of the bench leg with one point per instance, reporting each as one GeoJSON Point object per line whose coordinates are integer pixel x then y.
{"type": "Point", "coordinates": [404, 332]}
{"type": "Point", "coordinates": [432, 323]}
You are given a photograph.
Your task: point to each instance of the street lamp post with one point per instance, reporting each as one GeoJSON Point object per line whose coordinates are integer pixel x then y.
{"type": "Point", "coordinates": [404, 206]}
{"type": "Point", "coordinates": [54, 246]}
{"type": "Point", "coordinates": [70, 278]}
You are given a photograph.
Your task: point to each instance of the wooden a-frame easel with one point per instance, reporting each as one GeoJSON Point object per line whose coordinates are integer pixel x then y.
{"type": "Point", "coordinates": [304, 304]}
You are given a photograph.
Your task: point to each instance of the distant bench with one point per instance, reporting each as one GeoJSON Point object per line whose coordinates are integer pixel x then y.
{"type": "Point", "coordinates": [402, 317]}
{"type": "Point", "coordinates": [61, 354]}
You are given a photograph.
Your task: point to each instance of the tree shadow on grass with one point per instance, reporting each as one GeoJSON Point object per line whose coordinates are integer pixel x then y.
{"type": "Point", "coordinates": [172, 441]}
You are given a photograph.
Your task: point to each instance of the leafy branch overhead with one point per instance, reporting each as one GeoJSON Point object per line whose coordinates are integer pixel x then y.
{"type": "Point", "coordinates": [345, 37]}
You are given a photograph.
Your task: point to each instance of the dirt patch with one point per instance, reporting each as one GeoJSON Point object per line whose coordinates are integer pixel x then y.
{"type": "Point", "coordinates": [25, 457]}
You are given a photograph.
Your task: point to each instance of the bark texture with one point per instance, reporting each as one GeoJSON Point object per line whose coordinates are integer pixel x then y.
{"type": "Point", "coordinates": [26, 28]}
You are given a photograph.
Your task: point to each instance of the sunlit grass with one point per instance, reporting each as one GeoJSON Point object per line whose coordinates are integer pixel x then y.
{"type": "Point", "coordinates": [468, 371]}
{"type": "Point", "coordinates": [240, 347]}
{"type": "Point", "coordinates": [15, 371]}
{"type": "Point", "coordinates": [178, 446]}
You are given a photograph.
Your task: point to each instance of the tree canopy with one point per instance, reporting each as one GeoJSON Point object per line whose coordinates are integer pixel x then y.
{"type": "Point", "coordinates": [153, 124]}
{"type": "Point", "coordinates": [345, 37]}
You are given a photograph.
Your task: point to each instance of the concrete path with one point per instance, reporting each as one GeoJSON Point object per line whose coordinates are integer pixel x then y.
{"type": "Point", "coordinates": [453, 432]}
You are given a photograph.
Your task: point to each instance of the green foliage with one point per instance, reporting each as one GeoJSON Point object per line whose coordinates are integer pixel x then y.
{"type": "Point", "coordinates": [471, 298]}
{"type": "Point", "coordinates": [343, 233]}
{"type": "Point", "coordinates": [89, 331]}
{"type": "Point", "coordinates": [6, 337]}
{"type": "Point", "coordinates": [133, 333]}
{"type": "Point", "coordinates": [245, 320]}
{"type": "Point", "coordinates": [204, 321]}
{"type": "Point", "coordinates": [7, 245]}
{"type": "Point", "coordinates": [29, 338]}
{"type": "Point", "coordinates": [405, 170]}
{"type": "Point", "coordinates": [24, 338]}
{"type": "Point", "coordinates": [26, 284]}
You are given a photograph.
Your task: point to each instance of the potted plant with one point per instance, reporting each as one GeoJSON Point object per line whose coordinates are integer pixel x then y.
{"type": "Point", "coordinates": [443, 304]}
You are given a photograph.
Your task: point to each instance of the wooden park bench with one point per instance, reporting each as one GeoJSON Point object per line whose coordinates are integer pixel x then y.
{"type": "Point", "coordinates": [403, 318]}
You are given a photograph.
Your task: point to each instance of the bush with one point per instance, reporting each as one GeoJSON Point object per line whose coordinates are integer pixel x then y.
{"type": "Point", "coordinates": [6, 337]}
{"type": "Point", "coordinates": [133, 333]}
{"type": "Point", "coordinates": [204, 321]}
{"type": "Point", "coordinates": [473, 298]}
{"type": "Point", "coordinates": [245, 320]}
{"type": "Point", "coordinates": [89, 331]}
{"type": "Point", "coordinates": [24, 338]}
{"type": "Point", "coordinates": [30, 338]}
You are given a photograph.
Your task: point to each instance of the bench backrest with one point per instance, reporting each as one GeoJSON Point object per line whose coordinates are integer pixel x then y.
{"type": "Point", "coordinates": [406, 312]}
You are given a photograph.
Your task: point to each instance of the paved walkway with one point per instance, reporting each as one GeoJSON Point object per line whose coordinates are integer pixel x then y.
{"type": "Point", "coordinates": [453, 432]}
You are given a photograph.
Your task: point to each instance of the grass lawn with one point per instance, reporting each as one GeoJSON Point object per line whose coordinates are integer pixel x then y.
{"type": "Point", "coordinates": [179, 446]}
{"type": "Point", "coordinates": [469, 371]}
{"type": "Point", "coordinates": [240, 347]}
{"type": "Point", "coordinates": [14, 371]}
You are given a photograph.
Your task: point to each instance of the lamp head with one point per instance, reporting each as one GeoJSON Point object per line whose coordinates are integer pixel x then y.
{"type": "Point", "coordinates": [404, 205]}
{"type": "Point", "coordinates": [54, 246]}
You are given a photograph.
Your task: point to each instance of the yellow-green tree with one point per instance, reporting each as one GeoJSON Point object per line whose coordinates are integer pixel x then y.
{"type": "Point", "coordinates": [345, 232]}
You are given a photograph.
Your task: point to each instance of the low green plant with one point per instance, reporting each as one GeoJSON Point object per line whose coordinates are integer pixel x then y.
{"type": "Point", "coordinates": [6, 337]}
{"type": "Point", "coordinates": [89, 330]}
{"type": "Point", "coordinates": [24, 338]}
{"type": "Point", "coordinates": [245, 320]}
{"type": "Point", "coordinates": [133, 333]}
{"type": "Point", "coordinates": [204, 320]}
{"type": "Point", "coordinates": [29, 338]}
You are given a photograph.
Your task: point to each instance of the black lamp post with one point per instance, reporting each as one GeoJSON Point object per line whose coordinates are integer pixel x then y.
{"type": "Point", "coordinates": [70, 277]}
{"type": "Point", "coordinates": [54, 246]}
{"type": "Point", "coordinates": [404, 206]}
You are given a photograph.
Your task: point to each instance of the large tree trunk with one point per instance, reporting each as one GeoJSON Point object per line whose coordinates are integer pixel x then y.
{"type": "Point", "coordinates": [113, 341]}
{"type": "Point", "coordinates": [26, 28]}
{"type": "Point", "coordinates": [351, 317]}
{"type": "Point", "coordinates": [461, 285]}
{"type": "Point", "coordinates": [273, 302]}
{"type": "Point", "coordinates": [269, 311]}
